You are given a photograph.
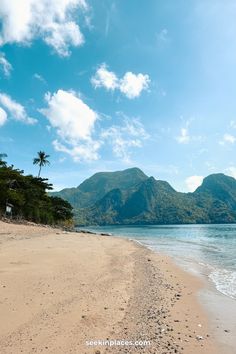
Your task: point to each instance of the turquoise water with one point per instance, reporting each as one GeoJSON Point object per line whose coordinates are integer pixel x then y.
{"type": "Point", "coordinates": [208, 249]}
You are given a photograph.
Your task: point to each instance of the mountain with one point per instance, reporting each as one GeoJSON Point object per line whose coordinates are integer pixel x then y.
{"type": "Point", "coordinates": [130, 197]}
{"type": "Point", "coordinates": [96, 187]}
{"type": "Point", "coordinates": [217, 195]}
{"type": "Point", "coordinates": [221, 187]}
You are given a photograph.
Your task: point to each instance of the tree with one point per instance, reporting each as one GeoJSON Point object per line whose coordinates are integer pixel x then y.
{"type": "Point", "coordinates": [62, 210]}
{"type": "Point", "coordinates": [41, 160]}
{"type": "Point", "coordinates": [30, 199]}
{"type": "Point", "coordinates": [2, 162]}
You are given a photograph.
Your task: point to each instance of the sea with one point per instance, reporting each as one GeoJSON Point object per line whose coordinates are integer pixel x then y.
{"type": "Point", "coordinates": [207, 250]}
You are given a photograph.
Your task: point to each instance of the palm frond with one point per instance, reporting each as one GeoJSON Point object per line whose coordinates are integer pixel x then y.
{"type": "Point", "coordinates": [36, 161]}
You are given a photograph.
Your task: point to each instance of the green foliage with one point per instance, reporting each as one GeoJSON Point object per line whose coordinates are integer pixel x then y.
{"type": "Point", "coordinates": [2, 157]}
{"type": "Point", "coordinates": [29, 197]}
{"type": "Point", "coordinates": [130, 197]}
{"type": "Point", "coordinates": [61, 209]}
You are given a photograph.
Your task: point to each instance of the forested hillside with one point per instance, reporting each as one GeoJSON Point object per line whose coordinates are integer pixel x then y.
{"type": "Point", "coordinates": [130, 197]}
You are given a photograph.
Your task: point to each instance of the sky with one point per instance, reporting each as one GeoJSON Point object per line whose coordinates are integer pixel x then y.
{"type": "Point", "coordinates": [105, 85]}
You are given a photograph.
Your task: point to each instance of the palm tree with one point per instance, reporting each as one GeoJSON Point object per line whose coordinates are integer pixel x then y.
{"type": "Point", "coordinates": [41, 160]}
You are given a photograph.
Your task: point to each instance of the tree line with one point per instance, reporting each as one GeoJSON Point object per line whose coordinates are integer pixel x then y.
{"type": "Point", "coordinates": [27, 196]}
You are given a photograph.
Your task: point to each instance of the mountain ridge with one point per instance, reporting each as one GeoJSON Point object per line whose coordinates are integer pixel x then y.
{"type": "Point", "coordinates": [131, 197]}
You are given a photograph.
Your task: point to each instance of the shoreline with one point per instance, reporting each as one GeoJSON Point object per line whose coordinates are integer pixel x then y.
{"type": "Point", "coordinates": [59, 289]}
{"type": "Point", "coordinates": [220, 308]}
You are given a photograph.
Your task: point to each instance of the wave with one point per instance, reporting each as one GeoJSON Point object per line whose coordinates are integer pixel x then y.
{"type": "Point", "coordinates": [225, 281]}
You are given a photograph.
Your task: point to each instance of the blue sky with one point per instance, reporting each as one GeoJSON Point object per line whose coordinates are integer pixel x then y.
{"type": "Point", "coordinates": [107, 85]}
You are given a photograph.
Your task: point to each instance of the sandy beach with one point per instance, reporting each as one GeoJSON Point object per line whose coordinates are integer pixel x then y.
{"type": "Point", "coordinates": [60, 291]}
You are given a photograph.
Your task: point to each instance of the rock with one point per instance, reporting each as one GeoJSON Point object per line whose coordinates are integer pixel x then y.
{"type": "Point", "coordinates": [227, 330]}
{"type": "Point", "coordinates": [199, 337]}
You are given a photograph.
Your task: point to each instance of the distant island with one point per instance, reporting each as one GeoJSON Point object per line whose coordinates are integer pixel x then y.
{"type": "Point", "coordinates": [130, 197]}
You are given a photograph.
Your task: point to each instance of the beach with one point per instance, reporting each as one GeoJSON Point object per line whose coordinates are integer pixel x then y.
{"type": "Point", "coordinates": [60, 292]}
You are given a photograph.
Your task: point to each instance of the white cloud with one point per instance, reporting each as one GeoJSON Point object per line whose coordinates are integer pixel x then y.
{"type": "Point", "coordinates": [184, 136]}
{"type": "Point", "coordinates": [193, 182]}
{"type": "Point", "coordinates": [3, 117]}
{"type": "Point", "coordinates": [72, 118]}
{"type": "Point", "coordinates": [6, 66]}
{"type": "Point", "coordinates": [62, 34]}
{"type": "Point", "coordinates": [105, 78]}
{"type": "Point", "coordinates": [15, 109]}
{"type": "Point", "coordinates": [74, 122]}
{"type": "Point", "coordinates": [52, 20]}
{"type": "Point", "coordinates": [87, 151]}
{"type": "Point", "coordinates": [231, 171]}
{"type": "Point", "coordinates": [131, 85]}
{"type": "Point", "coordinates": [124, 137]}
{"type": "Point", "coordinates": [39, 78]}
{"type": "Point", "coordinates": [227, 138]}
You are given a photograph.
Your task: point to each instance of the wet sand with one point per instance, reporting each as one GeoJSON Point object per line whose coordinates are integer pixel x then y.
{"type": "Point", "coordinates": [60, 291]}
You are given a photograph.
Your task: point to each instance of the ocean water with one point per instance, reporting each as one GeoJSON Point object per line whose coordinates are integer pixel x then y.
{"type": "Point", "coordinates": [202, 249]}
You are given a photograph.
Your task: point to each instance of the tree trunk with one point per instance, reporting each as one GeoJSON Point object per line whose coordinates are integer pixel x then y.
{"type": "Point", "coordinates": [40, 166]}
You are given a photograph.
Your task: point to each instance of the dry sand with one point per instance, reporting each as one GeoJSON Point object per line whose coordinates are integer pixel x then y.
{"type": "Point", "coordinates": [59, 290]}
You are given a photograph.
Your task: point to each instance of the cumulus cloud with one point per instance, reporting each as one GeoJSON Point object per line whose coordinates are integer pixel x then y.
{"type": "Point", "coordinates": [227, 139]}
{"type": "Point", "coordinates": [3, 117]}
{"type": "Point", "coordinates": [72, 118]}
{"type": "Point", "coordinates": [130, 134]}
{"type": "Point", "coordinates": [193, 182]}
{"type": "Point", "coordinates": [5, 65]}
{"type": "Point", "coordinates": [105, 78]}
{"type": "Point", "coordinates": [74, 122]}
{"type": "Point", "coordinates": [15, 109]}
{"type": "Point", "coordinates": [51, 20]}
{"type": "Point", "coordinates": [131, 85]}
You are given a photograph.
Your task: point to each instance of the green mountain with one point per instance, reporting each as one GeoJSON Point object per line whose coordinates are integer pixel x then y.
{"type": "Point", "coordinates": [130, 197]}
{"type": "Point", "coordinates": [97, 186]}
